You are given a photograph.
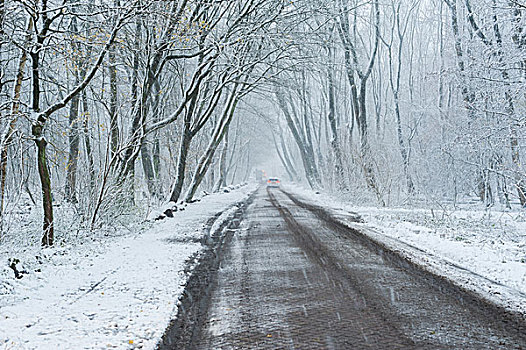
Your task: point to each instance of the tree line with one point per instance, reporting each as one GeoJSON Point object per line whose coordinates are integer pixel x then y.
{"type": "Point", "coordinates": [106, 102]}
{"type": "Point", "coordinates": [97, 96]}
{"type": "Point", "coordinates": [411, 100]}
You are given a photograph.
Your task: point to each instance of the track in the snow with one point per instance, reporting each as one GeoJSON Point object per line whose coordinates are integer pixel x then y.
{"type": "Point", "coordinates": [291, 278]}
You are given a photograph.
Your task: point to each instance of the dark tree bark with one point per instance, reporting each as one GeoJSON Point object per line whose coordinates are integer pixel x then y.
{"type": "Point", "coordinates": [73, 137]}
{"type": "Point", "coordinates": [287, 158]}
{"type": "Point", "coordinates": [38, 135]}
{"type": "Point", "coordinates": [48, 237]}
{"type": "Point", "coordinates": [140, 101]}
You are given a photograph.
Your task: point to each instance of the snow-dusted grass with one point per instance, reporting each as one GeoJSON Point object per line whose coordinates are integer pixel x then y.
{"type": "Point", "coordinates": [114, 291]}
{"type": "Point", "coordinates": [490, 244]}
{"type": "Point", "coordinates": [481, 249]}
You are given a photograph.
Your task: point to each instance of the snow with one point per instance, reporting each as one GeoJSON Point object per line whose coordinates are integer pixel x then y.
{"type": "Point", "coordinates": [114, 292]}
{"type": "Point", "coordinates": [120, 291]}
{"type": "Point", "coordinates": [481, 250]}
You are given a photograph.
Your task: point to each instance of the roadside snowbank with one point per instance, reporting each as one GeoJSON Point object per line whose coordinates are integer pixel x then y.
{"type": "Point", "coordinates": [116, 292]}
{"type": "Point", "coordinates": [481, 250]}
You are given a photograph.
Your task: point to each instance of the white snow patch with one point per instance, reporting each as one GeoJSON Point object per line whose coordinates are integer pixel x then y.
{"type": "Point", "coordinates": [112, 293]}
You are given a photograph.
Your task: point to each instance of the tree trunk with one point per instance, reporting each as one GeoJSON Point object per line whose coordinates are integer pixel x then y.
{"type": "Point", "coordinates": [358, 98]}
{"type": "Point", "coordinates": [157, 143]}
{"type": "Point", "coordinates": [247, 172]}
{"type": "Point", "coordinates": [467, 95]}
{"type": "Point", "coordinates": [218, 135]}
{"type": "Point", "coordinates": [306, 156]}
{"type": "Point", "coordinates": [37, 129]}
{"type": "Point", "coordinates": [366, 156]}
{"type": "Point", "coordinates": [114, 125]}
{"type": "Point", "coordinates": [221, 182]}
{"type": "Point", "coordinates": [286, 155]}
{"type": "Point", "coordinates": [510, 111]}
{"type": "Point", "coordinates": [151, 163]}
{"type": "Point", "coordinates": [8, 136]}
{"type": "Point", "coordinates": [73, 157]}
{"type": "Point", "coordinates": [181, 164]}
{"type": "Point", "coordinates": [87, 142]}
{"type": "Point", "coordinates": [157, 159]}
{"type": "Point", "coordinates": [41, 143]}
{"type": "Point", "coordinates": [282, 158]}
{"type": "Point", "coordinates": [395, 87]}
{"type": "Point", "coordinates": [47, 200]}
{"type": "Point", "coordinates": [335, 143]}
{"type": "Point", "coordinates": [148, 169]}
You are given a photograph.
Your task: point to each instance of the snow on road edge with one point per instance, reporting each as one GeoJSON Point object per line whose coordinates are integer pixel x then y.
{"type": "Point", "coordinates": [120, 293]}
{"type": "Point", "coordinates": [474, 265]}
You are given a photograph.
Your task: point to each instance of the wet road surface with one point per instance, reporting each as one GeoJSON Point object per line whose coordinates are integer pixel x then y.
{"type": "Point", "coordinates": [290, 280]}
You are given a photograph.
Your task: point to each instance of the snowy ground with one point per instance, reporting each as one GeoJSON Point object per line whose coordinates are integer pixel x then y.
{"type": "Point", "coordinates": [481, 250]}
{"type": "Point", "coordinates": [120, 291]}
{"type": "Point", "coordinates": [112, 292]}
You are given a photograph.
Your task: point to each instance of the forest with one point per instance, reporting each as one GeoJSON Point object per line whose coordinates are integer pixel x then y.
{"type": "Point", "coordinates": [108, 108]}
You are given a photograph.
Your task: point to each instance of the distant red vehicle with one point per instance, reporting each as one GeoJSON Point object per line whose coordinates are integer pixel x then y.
{"type": "Point", "coordinates": [273, 182]}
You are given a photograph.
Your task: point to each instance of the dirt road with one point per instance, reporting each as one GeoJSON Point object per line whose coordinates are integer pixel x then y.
{"type": "Point", "coordinates": [289, 278]}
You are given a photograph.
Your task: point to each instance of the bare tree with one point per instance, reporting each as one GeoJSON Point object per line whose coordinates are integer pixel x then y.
{"type": "Point", "coordinates": [359, 88]}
